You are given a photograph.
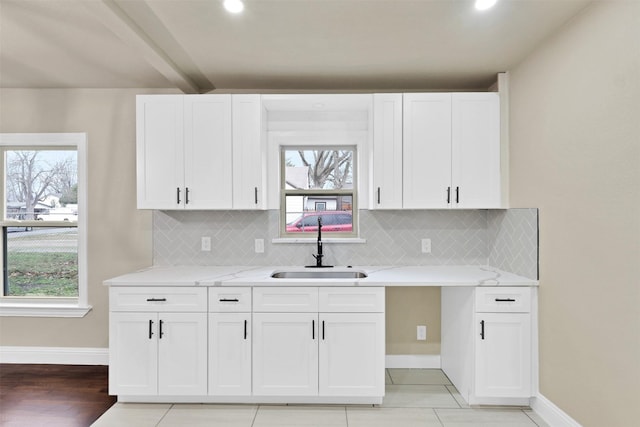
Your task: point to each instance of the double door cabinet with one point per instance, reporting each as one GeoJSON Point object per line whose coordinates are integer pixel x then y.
{"type": "Point", "coordinates": [199, 152]}
{"type": "Point", "coordinates": [436, 151]}
{"type": "Point", "coordinates": [278, 344]}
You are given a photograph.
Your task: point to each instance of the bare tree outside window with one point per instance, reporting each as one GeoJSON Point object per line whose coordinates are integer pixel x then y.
{"type": "Point", "coordinates": [328, 169]}
{"type": "Point", "coordinates": [33, 175]}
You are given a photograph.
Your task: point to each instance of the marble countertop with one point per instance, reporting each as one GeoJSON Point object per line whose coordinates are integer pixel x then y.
{"type": "Point", "coordinates": [454, 275]}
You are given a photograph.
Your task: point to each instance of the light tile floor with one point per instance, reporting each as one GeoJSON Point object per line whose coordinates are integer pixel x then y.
{"type": "Point", "coordinates": [414, 398]}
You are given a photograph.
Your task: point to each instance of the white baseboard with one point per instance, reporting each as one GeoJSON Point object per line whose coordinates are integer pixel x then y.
{"type": "Point", "coordinates": [551, 414]}
{"type": "Point", "coordinates": [415, 361]}
{"type": "Point", "coordinates": [55, 355]}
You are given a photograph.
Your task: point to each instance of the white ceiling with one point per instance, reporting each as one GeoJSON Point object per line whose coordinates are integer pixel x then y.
{"type": "Point", "coordinates": [195, 45]}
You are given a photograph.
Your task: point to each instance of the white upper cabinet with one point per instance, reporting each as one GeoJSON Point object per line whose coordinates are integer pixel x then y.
{"type": "Point", "coordinates": [200, 152]}
{"type": "Point", "coordinates": [475, 167]}
{"type": "Point", "coordinates": [160, 151]}
{"type": "Point", "coordinates": [184, 151]}
{"type": "Point", "coordinates": [249, 154]}
{"type": "Point", "coordinates": [207, 154]}
{"type": "Point", "coordinates": [387, 151]}
{"type": "Point", "coordinates": [427, 150]}
{"type": "Point", "coordinates": [445, 155]}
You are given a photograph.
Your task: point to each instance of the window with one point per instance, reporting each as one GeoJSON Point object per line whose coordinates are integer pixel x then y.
{"type": "Point", "coordinates": [318, 184]}
{"type": "Point", "coordinates": [43, 227]}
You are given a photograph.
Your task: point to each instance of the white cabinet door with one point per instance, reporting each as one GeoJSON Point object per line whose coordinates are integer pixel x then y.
{"type": "Point", "coordinates": [352, 352]}
{"type": "Point", "coordinates": [160, 148]}
{"type": "Point", "coordinates": [207, 152]}
{"type": "Point", "coordinates": [184, 151]}
{"type": "Point", "coordinates": [285, 354]}
{"type": "Point", "coordinates": [249, 156]}
{"type": "Point", "coordinates": [426, 150]}
{"type": "Point", "coordinates": [133, 354]}
{"type": "Point", "coordinates": [182, 354]}
{"type": "Point", "coordinates": [503, 355]}
{"type": "Point", "coordinates": [475, 150]}
{"type": "Point", "coordinates": [230, 354]}
{"type": "Point", "coordinates": [387, 151]}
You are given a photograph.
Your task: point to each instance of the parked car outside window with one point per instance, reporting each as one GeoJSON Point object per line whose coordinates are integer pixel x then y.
{"type": "Point", "coordinates": [331, 221]}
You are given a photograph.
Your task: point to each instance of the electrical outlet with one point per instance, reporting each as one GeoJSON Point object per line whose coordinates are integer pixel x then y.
{"type": "Point", "coordinates": [421, 333]}
{"type": "Point", "coordinates": [205, 243]}
{"type": "Point", "coordinates": [259, 246]}
{"type": "Point", "coordinates": [426, 246]}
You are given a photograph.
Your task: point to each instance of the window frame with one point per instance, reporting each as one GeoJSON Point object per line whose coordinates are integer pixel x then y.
{"type": "Point", "coordinates": [49, 306]}
{"type": "Point", "coordinates": [284, 192]}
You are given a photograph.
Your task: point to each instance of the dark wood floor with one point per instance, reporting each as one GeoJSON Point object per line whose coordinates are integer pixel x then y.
{"type": "Point", "coordinates": [53, 395]}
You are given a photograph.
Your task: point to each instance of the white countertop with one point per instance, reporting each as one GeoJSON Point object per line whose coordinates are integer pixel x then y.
{"type": "Point", "coordinates": [460, 275]}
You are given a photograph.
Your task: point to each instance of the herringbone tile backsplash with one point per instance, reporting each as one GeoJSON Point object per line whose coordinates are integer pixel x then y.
{"type": "Point", "coordinates": [503, 239]}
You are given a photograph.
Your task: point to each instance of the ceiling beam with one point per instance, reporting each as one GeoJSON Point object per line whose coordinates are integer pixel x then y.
{"type": "Point", "coordinates": [115, 19]}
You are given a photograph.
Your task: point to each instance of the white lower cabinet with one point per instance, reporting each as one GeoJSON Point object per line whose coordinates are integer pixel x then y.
{"type": "Point", "coordinates": [487, 348]}
{"type": "Point", "coordinates": [503, 355]}
{"type": "Point", "coordinates": [285, 354]}
{"type": "Point", "coordinates": [230, 354]}
{"type": "Point", "coordinates": [352, 348]}
{"type": "Point", "coordinates": [336, 347]}
{"type": "Point", "coordinates": [157, 341]}
{"type": "Point", "coordinates": [160, 354]}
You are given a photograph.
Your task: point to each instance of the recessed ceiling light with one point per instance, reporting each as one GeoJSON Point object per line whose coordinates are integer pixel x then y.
{"type": "Point", "coordinates": [485, 4]}
{"type": "Point", "coordinates": [234, 6]}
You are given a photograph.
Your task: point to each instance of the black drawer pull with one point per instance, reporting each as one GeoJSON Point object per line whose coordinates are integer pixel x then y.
{"type": "Point", "coordinates": [313, 329]}
{"type": "Point", "coordinates": [245, 329]}
{"type": "Point", "coordinates": [448, 195]}
{"type": "Point", "coordinates": [156, 299]}
{"type": "Point", "coordinates": [150, 329]}
{"type": "Point", "coordinates": [378, 195]}
{"type": "Point", "coordinates": [457, 194]}
{"type": "Point", "coordinates": [505, 300]}
{"type": "Point", "coordinates": [161, 333]}
{"type": "Point", "coordinates": [178, 195]}
{"type": "Point", "coordinates": [229, 300]}
{"type": "Point", "coordinates": [482, 329]}
{"type": "Point", "coordinates": [323, 330]}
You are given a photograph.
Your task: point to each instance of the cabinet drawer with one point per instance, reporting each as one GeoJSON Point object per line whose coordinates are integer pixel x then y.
{"type": "Point", "coordinates": [223, 300]}
{"type": "Point", "coordinates": [351, 300]}
{"type": "Point", "coordinates": [160, 299]}
{"type": "Point", "coordinates": [292, 300]}
{"type": "Point", "coordinates": [508, 300]}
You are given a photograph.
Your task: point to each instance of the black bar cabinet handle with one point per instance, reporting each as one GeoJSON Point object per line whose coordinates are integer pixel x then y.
{"type": "Point", "coordinates": [505, 300]}
{"type": "Point", "coordinates": [448, 195]}
{"type": "Point", "coordinates": [457, 194]}
{"type": "Point", "coordinates": [186, 196]}
{"type": "Point", "coordinates": [255, 194]}
{"type": "Point", "coordinates": [323, 330]}
{"type": "Point", "coordinates": [161, 333]}
{"type": "Point", "coordinates": [482, 329]}
{"type": "Point", "coordinates": [245, 329]}
{"type": "Point", "coordinates": [150, 329]}
{"type": "Point", "coordinates": [156, 299]}
{"type": "Point", "coordinates": [378, 195]}
{"type": "Point", "coordinates": [178, 195]}
{"type": "Point", "coordinates": [229, 300]}
{"type": "Point", "coordinates": [313, 329]}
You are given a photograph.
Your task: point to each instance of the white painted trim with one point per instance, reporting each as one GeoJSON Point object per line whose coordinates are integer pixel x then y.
{"type": "Point", "coordinates": [42, 310]}
{"type": "Point", "coordinates": [55, 355]}
{"type": "Point", "coordinates": [551, 414]}
{"type": "Point", "coordinates": [415, 361]}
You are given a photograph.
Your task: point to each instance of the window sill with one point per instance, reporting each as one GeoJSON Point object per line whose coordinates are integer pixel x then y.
{"type": "Point", "coordinates": [42, 310]}
{"type": "Point", "coordinates": [314, 240]}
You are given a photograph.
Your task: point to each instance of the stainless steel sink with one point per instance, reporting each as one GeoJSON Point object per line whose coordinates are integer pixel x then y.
{"type": "Point", "coordinates": [323, 274]}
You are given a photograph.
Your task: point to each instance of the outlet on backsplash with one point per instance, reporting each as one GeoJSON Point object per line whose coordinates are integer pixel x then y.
{"type": "Point", "coordinates": [426, 246]}
{"type": "Point", "coordinates": [205, 243]}
{"type": "Point", "coordinates": [259, 246]}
